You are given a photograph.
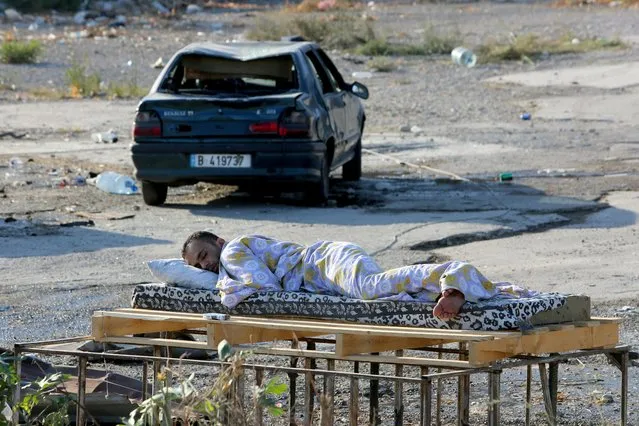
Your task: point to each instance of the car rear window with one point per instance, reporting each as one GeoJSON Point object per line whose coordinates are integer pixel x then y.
{"type": "Point", "coordinates": [209, 74]}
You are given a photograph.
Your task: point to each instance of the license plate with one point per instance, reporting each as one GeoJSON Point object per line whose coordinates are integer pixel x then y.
{"type": "Point", "coordinates": [224, 161]}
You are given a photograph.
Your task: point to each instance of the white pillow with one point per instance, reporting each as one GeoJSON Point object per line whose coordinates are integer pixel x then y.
{"type": "Point", "coordinates": [178, 273]}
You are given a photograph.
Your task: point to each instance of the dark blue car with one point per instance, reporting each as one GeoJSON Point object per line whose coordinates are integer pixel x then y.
{"type": "Point", "coordinates": [275, 116]}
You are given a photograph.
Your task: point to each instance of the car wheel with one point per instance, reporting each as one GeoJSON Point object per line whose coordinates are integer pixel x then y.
{"type": "Point", "coordinates": [317, 193]}
{"type": "Point", "coordinates": [352, 170]}
{"type": "Point", "coordinates": [154, 194]}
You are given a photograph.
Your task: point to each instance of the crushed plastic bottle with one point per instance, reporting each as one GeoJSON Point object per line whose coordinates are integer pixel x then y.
{"type": "Point", "coordinates": [115, 183]}
{"type": "Point", "coordinates": [109, 136]}
{"type": "Point", "coordinates": [462, 56]}
{"type": "Point", "coordinates": [16, 163]}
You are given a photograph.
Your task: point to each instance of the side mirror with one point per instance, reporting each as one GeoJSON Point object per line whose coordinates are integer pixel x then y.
{"type": "Point", "coordinates": [359, 90]}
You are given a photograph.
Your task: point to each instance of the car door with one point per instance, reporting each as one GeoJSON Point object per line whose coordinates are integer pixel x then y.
{"type": "Point", "coordinates": [353, 108]}
{"type": "Point", "coordinates": [334, 99]}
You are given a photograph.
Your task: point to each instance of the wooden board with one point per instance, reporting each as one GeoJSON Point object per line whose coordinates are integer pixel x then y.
{"type": "Point", "coordinates": [352, 340]}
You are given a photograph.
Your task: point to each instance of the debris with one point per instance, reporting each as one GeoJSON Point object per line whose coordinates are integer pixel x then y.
{"type": "Point", "coordinates": [16, 163]}
{"type": "Point", "coordinates": [79, 181]}
{"type": "Point", "coordinates": [160, 8]}
{"type": "Point", "coordinates": [80, 17]}
{"type": "Point", "coordinates": [77, 223]}
{"type": "Point", "coordinates": [462, 56]}
{"type": "Point", "coordinates": [416, 129]}
{"type": "Point", "coordinates": [110, 136]}
{"type": "Point", "coordinates": [158, 64]}
{"type": "Point", "coordinates": [12, 134]}
{"type": "Point", "coordinates": [362, 74]}
{"type": "Point", "coordinates": [326, 4]}
{"type": "Point", "coordinates": [193, 9]}
{"type": "Point", "coordinates": [575, 41]}
{"type": "Point", "coordinates": [525, 116]}
{"type": "Point", "coordinates": [606, 398]}
{"type": "Point", "coordinates": [12, 15]}
{"type": "Point", "coordinates": [105, 216]}
{"type": "Point", "coordinates": [505, 177]}
{"type": "Point", "coordinates": [120, 21]}
{"type": "Point", "coordinates": [116, 183]}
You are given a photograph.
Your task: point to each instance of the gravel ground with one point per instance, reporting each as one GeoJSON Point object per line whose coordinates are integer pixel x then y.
{"type": "Point", "coordinates": [449, 96]}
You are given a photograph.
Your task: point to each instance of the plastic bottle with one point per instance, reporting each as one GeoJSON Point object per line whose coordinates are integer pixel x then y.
{"type": "Point", "coordinates": [116, 183]}
{"type": "Point", "coordinates": [106, 137]}
{"type": "Point", "coordinates": [463, 56]}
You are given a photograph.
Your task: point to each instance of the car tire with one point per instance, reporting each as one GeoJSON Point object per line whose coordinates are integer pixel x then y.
{"type": "Point", "coordinates": [317, 193]}
{"type": "Point", "coordinates": [352, 170]}
{"type": "Point", "coordinates": [154, 194]}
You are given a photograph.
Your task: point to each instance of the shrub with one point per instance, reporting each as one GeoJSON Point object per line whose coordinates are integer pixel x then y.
{"type": "Point", "coordinates": [20, 52]}
{"type": "Point", "coordinates": [80, 83]}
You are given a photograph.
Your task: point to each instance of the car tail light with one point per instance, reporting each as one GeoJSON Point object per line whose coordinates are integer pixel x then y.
{"type": "Point", "coordinates": [147, 123]}
{"type": "Point", "coordinates": [265, 127]}
{"type": "Point", "coordinates": [294, 123]}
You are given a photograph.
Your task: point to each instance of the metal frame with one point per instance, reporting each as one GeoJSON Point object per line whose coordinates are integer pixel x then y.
{"type": "Point", "coordinates": [548, 367]}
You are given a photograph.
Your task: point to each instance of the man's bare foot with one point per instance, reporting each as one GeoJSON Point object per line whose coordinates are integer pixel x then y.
{"type": "Point", "coordinates": [449, 304]}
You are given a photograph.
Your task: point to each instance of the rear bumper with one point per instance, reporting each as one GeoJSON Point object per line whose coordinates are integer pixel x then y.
{"type": "Point", "coordinates": [271, 160]}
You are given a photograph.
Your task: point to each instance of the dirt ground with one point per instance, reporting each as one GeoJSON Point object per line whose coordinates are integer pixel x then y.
{"type": "Point", "coordinates": [567, 221]}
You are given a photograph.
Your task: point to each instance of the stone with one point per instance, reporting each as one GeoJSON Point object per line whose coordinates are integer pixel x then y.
{"type": "Point", "coordinates": [12, 15]}
{"type": "Point", "coordinates": [405, 128]}
{"type": "Point", "coordinates": [606, 398]}
{"type": "Point", "coordinates": [158, 64]}
{"type": "Point", "coordinates": [160, 8]}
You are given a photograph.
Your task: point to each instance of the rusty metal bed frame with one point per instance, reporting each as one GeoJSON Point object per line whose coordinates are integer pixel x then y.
{"type": "Point", "coordinates": [476, 352]}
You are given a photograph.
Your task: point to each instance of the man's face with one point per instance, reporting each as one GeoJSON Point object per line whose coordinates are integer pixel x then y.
{"type": "Point", "coordinates": [204, 255]}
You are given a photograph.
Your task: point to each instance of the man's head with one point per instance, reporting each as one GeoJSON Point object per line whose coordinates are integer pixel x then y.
{"type": "Point", "coordinates": [202, 249]}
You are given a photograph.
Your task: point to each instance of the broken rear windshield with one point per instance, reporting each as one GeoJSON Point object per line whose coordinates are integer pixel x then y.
{"type": "Point", "coordinates": [201, 74]}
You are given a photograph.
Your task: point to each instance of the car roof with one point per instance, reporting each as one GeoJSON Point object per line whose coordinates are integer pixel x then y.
{"type": "Point", "coordinates": [245, 51]}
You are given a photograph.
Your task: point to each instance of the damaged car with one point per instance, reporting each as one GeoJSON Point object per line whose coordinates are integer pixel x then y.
{"type": "Point", "coordinates": [267, 116]}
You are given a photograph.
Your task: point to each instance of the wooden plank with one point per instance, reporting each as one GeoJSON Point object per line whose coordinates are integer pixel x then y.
{"type": "Point", "coordinates": [107, 326]}
{"type": "Point", "coordinates": [237, 335]}
{"type": "Point", "coordinates": [481, 353]}
{"type": "Point", "coordinates": [433, 362]}
{"type": "Point", "coordinates": [152, 341]}
{"type": "Point", "coordinates": [353, 344]}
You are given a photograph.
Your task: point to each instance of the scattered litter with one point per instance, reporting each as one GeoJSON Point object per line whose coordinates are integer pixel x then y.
{"type": "Point", "coordinates": [12, 15]}
{"type": "Point", "coordinates": [525, 116]}
{"type": "Point", "coordinates": [116, 183]}
{"type": "Point", "coordinates": [462, 56]}
{"type": "Point", "coordinates": [80, 17]}
{"type": "Point", "coordinates": [158, 64]}
{"type": "Point", "coordinates": [110, 136]}
{"type": "Point", "coordinates": [193, 9]}
{"type": "Point", "coordinates": [606, 398]}
{"type": "Point", "coordinates": [160, 8]}
{"type": "Point", "coordinates": [79, 181]}
{"type": "Point", "coordinates": [362, 74]}
{"type": "Point", "coordinates": [628, 310]}
{"type": "Point", "coordinates": [416, 129]}
{"type": "Point", "coordinates": [505, 177]}
{"type": "Point", "coordinates": [16, 163]}
{"type": "Point", "coordinates": [575, 41]}
{"type": "Point", "coordinates": [105, 215]}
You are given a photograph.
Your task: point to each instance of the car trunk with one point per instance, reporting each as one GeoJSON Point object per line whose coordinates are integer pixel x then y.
{"type": "Point", "coordinates": [213, 116]}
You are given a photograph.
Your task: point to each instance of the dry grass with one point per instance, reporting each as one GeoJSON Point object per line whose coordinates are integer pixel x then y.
{"type": "Point", "coordinates": [529, 47]}
{"type": "Point", "coordinates": [382, 64]}
{"type": "Point", "coordinates": [308, 6]}
{"type": "Point", "coordinates": [432, 43]}
{"type": "Point", "coordinates": [333, 31]}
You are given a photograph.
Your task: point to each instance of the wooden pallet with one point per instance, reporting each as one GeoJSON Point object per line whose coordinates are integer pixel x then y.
{"type": "Point", "coordinates": [352, 340]}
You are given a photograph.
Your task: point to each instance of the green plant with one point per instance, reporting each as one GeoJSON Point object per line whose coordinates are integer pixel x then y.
{"type": "Point", "coordinates": [80, 83]}
{"type": "Point", "coordinates": [126, 90]}
{"type": "Point", "coordinates": [221, 404]}
{"type": "Point", "coordinates": [36, 393]}
{"type": "Point", "coordinates": [20, 52]}
{"type": "Point", "coordinates": [435, 43]}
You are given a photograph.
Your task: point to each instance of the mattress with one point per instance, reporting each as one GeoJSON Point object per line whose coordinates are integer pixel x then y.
{"type": "Point", "coordinates": [492, 315]}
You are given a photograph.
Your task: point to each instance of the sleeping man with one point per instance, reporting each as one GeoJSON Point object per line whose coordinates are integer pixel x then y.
{"type": "Point", "coordinates": [253, 263]}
